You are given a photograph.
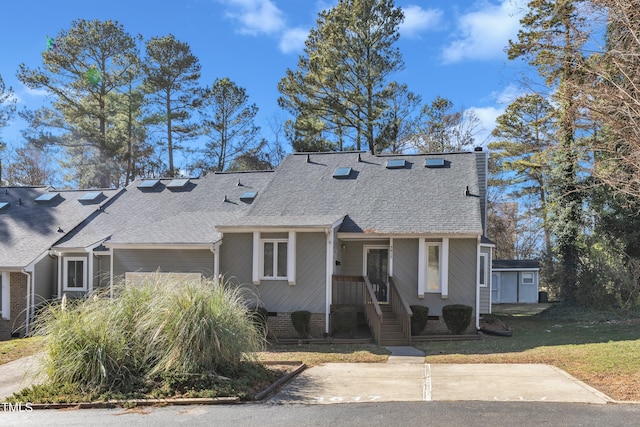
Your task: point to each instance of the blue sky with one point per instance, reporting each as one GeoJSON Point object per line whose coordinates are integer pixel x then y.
{"type": "Point", "coordinates": [451, 48]}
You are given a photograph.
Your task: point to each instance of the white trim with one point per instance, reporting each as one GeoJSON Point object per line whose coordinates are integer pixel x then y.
{"type": "Point", "coordinates": [372, 236]}
{"type": "Point", "coordinates": [255, 266]}
{"type": "Point", "coordinates": [5, 289]}
{"type": "Point", "coordinates": [291, 258]}
{"type": "Point", "coordinates": [422, 268]}
{"type": "Point", "coordinates": [444, 268]}
{"type": "Point", "coordinates": [533, 278]}
{"type": "Point", "coordinates": [515, 270]}
{"type": "Point", "coordinates": [215, 249]}
{"type": "Point", "coordinates": [178, 246]}
{"type": "Point", "coordinates": [60, 275]}
{"type": "Point", "coordinates": [65, 267]}
{"type": "Point", "coordinates": [329, 277]}
{"type": "Point", "coordinates": [478, 246]}
{"type": "Point", "coordinates": [111, 273]}
{"type": "Point", "coordinates": [390, 265]}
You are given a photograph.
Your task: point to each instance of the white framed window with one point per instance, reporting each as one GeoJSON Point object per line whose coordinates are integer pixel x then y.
{"type": "Point", "coordinates": [4, 296]}
{"type": "Point", "coordinates": [434, 263]}
{"type": "Point", "coordinates": [75, 274]}
{"type": "Point", "coordinates": [484, 270]}
{"type": "Point", "coordinates": [527, 278]}
{"type": "Point", "coordinates": [273, 259]}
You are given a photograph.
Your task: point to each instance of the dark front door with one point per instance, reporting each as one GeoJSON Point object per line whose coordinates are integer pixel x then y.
{"type": "Point", "coordinates": [377, 269]}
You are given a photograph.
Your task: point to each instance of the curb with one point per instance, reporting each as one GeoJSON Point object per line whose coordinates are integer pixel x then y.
{"type": "Point", "coordinates": [110, 404]}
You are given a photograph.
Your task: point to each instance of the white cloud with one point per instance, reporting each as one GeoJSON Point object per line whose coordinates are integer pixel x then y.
{"type": "Point", "coordinates": [255, 16]}
{"type": "Point", "coordinates": [293, 39]}
{"type": "Point", "coordinates": [484, 33]}
{"type": "Point", "coordinates": [417, 20]}
{"type": "Point", "coordinates": [487, 117]}
{"type": "Point", "coordinates": [34, 92]}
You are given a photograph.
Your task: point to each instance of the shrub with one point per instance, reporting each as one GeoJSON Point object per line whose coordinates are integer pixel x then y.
{"type": "Point", "coordinates": [344, 321]}
{"type": "Point", "coordinates": [457, 317]}
{"type": "Point", "coordinates": [419, 318]}
{"type": "Point", "coordinates": [301, 321]}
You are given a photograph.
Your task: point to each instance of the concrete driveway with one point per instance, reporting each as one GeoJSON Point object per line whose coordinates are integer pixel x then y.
{"type": "Point", "coordinates": [407, 378]}
{"type": "Point", "coordinates": [19, 374]}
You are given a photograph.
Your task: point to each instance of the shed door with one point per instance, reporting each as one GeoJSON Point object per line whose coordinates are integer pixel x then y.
{"type": "Point", "coordinates": [509, 287]}
{"type": "Point", "coordinates": [528, 288]}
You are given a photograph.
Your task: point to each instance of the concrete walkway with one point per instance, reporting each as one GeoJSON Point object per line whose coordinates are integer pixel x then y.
{"type": "Point", "coordinates": [19, 374]}
{"type": "Point", "coordinates": [405, 377]}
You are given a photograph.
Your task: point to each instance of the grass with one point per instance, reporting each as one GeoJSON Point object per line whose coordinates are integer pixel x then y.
{"type": "Point", "coordinates": [19, 347]}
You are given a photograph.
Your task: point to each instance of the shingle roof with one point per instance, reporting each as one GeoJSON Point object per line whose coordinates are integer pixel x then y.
{"type": "Point", "coordinates": [409, 200]}
{"type": "Point", "coordinates": [160, 215]}
{"type": "Point", "coordinates": [514, 264]}
{"type": "Point", "coordinates": [29, 228]}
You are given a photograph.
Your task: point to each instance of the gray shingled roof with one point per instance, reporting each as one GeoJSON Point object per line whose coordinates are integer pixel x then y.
{"type": "Point", "coordinates": [375, 199]}
{"type": "Point", "coordinates": [164, 216]}
{"type": "Point", "coordinates": [514, 264]}
{"type": "Point", "coordinates": [29, 228]}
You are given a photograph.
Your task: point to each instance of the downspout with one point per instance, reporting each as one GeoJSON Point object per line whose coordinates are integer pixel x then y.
{"type": "Point", "coordinates": [111, 273]}
{"type": "Point", "coordinates": [329, 278]}
{"type": "Point", "coordinates": [29, 298]}
{"type": "Point", "coordinates": [215, 250]}
{"type": "Point", "coordinates": [478, 284]}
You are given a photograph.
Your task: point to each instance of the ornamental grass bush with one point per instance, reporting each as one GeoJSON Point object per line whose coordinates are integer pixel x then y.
{"type": "Point", "coordinates": [457, 317]}
{"type": "Point", "coordinates": [160, 327]}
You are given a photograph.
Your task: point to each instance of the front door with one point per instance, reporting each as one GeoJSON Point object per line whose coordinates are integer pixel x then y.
{"type": "Point", "coordinates": [376, 266]}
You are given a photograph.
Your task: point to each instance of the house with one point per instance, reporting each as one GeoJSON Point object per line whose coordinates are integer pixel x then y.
{"type": "Point", "coordinates": [514, 281]}
{"type": "Point", "coordinates": [32, 220]}
{"type": "Point", "coordinates": [323, 230]}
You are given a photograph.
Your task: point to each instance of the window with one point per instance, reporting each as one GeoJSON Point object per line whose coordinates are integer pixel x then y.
{"type": "Point", "coordinates": [274, 259]}
{"type": "Point", "coordinates": [342, 172]}
{"type": "Point", "coordinates": [433, 267]}
{"type": "Point", "coordinates": [484, 269]}
{"type": "Point", "coordinates": [396, 164]}
{"type": "Point", "coordinates": [75, 274]}
{"type": "Point", "coordinates": [434, 163]}
{"type": "Point", "coordinates": [527, 278]}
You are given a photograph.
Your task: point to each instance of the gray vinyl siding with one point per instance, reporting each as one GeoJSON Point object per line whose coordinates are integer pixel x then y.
{"type": "Point", "coordinates": [485, 291]}
{"type": "Point", "coordinates": [163, 260]}
{"type": "Point", "coordinates": [462, 274]}
{"type": "Point", "coordinates": [45, 284]}
{"type": "Point", "coordinates": [309, 292]}
{"type": "Point", "coordinates": [353, 255]}
{"type": "Point", "coordinates": [101, 270]}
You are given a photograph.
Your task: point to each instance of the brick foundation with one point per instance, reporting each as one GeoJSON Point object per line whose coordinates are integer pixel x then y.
{"type": "Point", "coordinates": [280, 325]}
{"type": "Point", "coordinates": [18, 297]}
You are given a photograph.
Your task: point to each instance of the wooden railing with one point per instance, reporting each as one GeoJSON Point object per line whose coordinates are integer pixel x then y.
{"type": "Point", "coordinates": [347, 290]}
{"type": "Point", "coordinates": [400, 307]}
{"type": "Point", "coordinates": [372, 311]}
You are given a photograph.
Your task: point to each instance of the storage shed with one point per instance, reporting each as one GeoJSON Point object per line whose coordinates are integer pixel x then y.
{"type": "Point", "coordinates": [514, 281]}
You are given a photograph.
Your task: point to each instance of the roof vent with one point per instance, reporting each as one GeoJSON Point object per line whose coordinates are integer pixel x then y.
{"type": "Point", "coordinates": [396, 164]}
{"type": "Point", "coordinates": [4, 205]}
{"type": "Point", "coordinates": [342, 172]}
{"type": "Point", "coordinates": [46, 197]}
{"type": "Point", "coordinates": [178, 183]}
{"type": "Point", "coordinates": [435, 162]}
{"type": "Point", "coordinates": [359, 158]}
{"type": "Point", "coordinates": [239, 184]}
{"type": "Point", "coordinates": [308, 158]}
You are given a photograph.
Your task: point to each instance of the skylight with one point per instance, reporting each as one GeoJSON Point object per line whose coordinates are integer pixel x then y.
{"type": "Point", "coordinates": [178, 183]}
{"type": "Point", "coordinates": [46, 197]}
{"type": "Point", "coordinates": [91, 196]}
{"type": "Point", "coordinates": [148, 183]}
{"type": "Point", "coordinates": [4, 205]}
{"type": "Point", "coordinates": [396, 164]}
{"type": "Point", "coordinates": [434, 162]}
{"type": "Point", "coordinates": [248, 196]}
{"type": "Point", "coordinates": [342, 172]}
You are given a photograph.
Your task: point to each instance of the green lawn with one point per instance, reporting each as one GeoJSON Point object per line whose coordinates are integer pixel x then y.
{"type": "Point", "coordinates": [19, 347]}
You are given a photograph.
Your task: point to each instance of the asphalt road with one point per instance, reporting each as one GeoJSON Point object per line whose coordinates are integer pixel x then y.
{"type": "Point", "coordinates": [352, 414]}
